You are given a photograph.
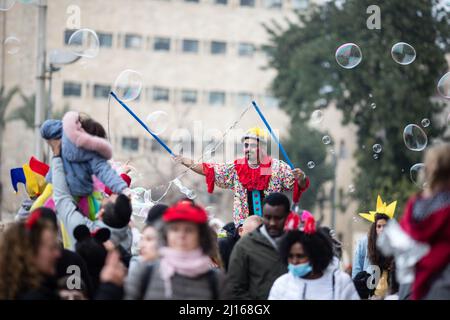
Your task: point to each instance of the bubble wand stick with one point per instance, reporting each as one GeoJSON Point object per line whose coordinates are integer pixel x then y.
{"type": "Point", "coordinates": [142, 123]}
{"type": "Point", "coordinates": [273, 134]}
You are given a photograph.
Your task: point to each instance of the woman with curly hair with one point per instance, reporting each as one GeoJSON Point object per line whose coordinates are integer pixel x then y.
{"type": "Point", "coordinates": [313, 273]}
{"type": "Point", "coordinates": [28, 255]}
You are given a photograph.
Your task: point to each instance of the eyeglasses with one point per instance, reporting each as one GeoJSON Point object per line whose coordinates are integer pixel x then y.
{"type": "Point", "coordinates": [252, 145]}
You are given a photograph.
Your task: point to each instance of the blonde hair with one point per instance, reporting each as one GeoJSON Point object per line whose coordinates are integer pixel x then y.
{"type": "Point", "coordinates": [437, 167]}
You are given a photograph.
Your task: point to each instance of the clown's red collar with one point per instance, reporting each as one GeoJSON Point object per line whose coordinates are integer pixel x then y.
{"type": "Point", "coordinates": [254, 178]}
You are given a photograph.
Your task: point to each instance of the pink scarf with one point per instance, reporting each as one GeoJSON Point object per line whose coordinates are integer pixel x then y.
{"type": "Point", "coordinates": [190, 264]}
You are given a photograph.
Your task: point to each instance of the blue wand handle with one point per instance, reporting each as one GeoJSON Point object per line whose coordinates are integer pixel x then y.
{"type": "Point", "coordinates": [142, 123]}
{"type": "Point", "coordinates": [273, 134]}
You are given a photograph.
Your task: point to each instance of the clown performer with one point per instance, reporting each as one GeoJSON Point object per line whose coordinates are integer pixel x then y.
{"type": "Point", "coordinates": [251, 178]}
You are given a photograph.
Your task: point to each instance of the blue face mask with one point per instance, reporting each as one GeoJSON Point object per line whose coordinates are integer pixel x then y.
{"type": "Point", "coordinates": [300, 270]}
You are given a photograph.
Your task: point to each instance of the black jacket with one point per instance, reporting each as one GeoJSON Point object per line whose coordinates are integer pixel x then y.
{"type": "Point", "coordinates": [226, 246]}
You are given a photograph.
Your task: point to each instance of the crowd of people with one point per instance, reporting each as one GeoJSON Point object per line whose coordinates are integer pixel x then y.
{"type": "Point", "coordinates": [62, 250]}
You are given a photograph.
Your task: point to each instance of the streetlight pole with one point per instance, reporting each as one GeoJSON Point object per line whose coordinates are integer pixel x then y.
{"type": "Point", "coordinates": [40, 78]}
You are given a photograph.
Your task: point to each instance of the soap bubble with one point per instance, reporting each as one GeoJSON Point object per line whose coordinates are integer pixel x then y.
{"type": "Point", "coordinates": [5, 5]}
{"type": "Point", "coordinates": [157, 122]}
{"type": "Point", "coordinates": [414, 137]}
{"type": "Point", "coordinates": [348, 55]}
{"type": "Point", "coordinates": [417, 174]}
{"type": "Point", "coordinates": [375, 156]}
{"type": "Point", "coordinates": [351, 188]}
{"type": "Point", "coordinates": [443, 86]}
{"type": "Point", "coordinates": [377, 148]}
{"type": "Point", "coordinates": [311, 164]}
{"type": "Point", "coordinates": [317, 117]}
{"type": "Point", "coordinates": [12, 45]}
{"type": "Point", "coordinates": [326, 140]}
{"type": "Point", "coordinates": [403, 53]}
{"type": "Point", "coordinates": [373, 105]}
{"type": "Point", "coordinates": [84, 43]}
{"type": "Point", "coordinates": [128, 85]}
{"type": "Point", "coordinates": [425, 122]}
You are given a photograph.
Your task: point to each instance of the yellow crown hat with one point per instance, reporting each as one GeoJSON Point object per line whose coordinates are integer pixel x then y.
{"type": "Point", "coordinates": [256, 133]}
{"type": "Point", "coordinates": [388, 210]}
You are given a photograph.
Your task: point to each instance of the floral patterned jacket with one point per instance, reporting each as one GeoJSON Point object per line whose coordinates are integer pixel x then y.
{"type": "Point", "coordinates": [226, 176]}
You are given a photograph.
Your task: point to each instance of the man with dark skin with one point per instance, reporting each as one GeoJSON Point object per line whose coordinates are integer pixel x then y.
{"type": "Point", "coordinates": [255, 262]}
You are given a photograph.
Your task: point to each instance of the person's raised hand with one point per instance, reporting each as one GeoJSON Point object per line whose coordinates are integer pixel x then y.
{"type": "Point", "coordinates": [113, 271]}
{"type": "Point", "coordinates": [55, 145]}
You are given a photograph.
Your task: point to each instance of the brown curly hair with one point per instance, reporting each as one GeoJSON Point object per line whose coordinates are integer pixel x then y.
{"type": "Point", "coordinates": [18, 248]}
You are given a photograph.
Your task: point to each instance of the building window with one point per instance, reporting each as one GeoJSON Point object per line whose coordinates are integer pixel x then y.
{"type": "Point", "coordinates": [216, 98]}
{"type": "Point", "coordinates": [247, 3]}
{"type": "Point", "coordinates": [189, 96]}
{"type": "Point", "coordinates": [224, 2]}
{"type": "Point", "coordinates": [105, 39]}
{"type": "Point", "coordinates": [152, 145]}
{"type": "Point", "coordinates": [218, 47]}
{"type": "Point", "coordinates": [76, 41]}
{"type": "Point", "coordinates": [101, 91]}
{"type": "Point", "coordinates": [161, 44]}
{"type": "Point", "coordinates": [190, 46]}
{"type": "Point", "coordinates": [246, 49]}
{"type": "Point", "coordinates": [300, 4]}
{"type": "Point", "coordinates": [133, 41]}
{"type": "Point", "coordinates": [273, 3]}
{"type": "Point", "coordinates": [191, 1]}
{"type": "Point", "coordinates": [130, 144]}
{"type": "Point", "coordinates": [160, 94]}
{"type": "Point", "coordinates": [244, 98]}
{"type": "Point", "coordinates": [71, 89]}
{"type": "Point", "coordinates": [270, 101]}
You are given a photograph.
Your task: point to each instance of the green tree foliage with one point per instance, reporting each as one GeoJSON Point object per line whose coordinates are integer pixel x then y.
{"type": "Point", "coordinates": [303, 53]}
{"type": "Point", "coordinates": [302, 147]}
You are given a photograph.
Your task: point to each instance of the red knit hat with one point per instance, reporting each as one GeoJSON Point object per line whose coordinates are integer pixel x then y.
{"type": "Point", "coordinates": [185, 211]}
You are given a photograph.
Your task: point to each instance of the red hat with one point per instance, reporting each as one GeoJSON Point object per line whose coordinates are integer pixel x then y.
{"type": "Point", "coordinates": [186, 212]}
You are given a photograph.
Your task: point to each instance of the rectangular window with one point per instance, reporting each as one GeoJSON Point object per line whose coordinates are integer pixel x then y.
{"type": "Point", "coordinates": [247, 3]}
{"type": "Point", "coordinates": [189, 96]}
{"type": "Point", "coordinates": [224, 2]}
{"type": "Point", "coordinates": [105, 39]}
{"type": "Point", "coordinates": [133, 41]}
{"type": "Point", "coordinates": [246, 49]}
{"type": "Point", "coordinates": [152, 145]}
{"type": "Point", "coordinates": [270, 101]}
{"type": "Point", "coordinates": [191, 1]}
{"type": "Point", "coordinates": [161, 44]}
{"type": "Point", "coordinates": [190, 46]}
{"type": "Point", "coordinates": [71, 89]}
{"type": "Point", "coordinates": [273, 3]}
{"type": "Point", "coordinates": [160, 94]}
{"type": "Point", "coordinates": [101, 91]}
{"type": "Point", "coordinates": [300, 4]}
{"type": "Point", "coordinates": [75, 41]}
{"type": "Point", "coordinates": [217, 98]}
{"type": "Point", "coordinates": [218, 47]}
{"type": "Point", "coordinates": [130, 144]}
{"type": "Point", "coordinates": [243, 99]}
